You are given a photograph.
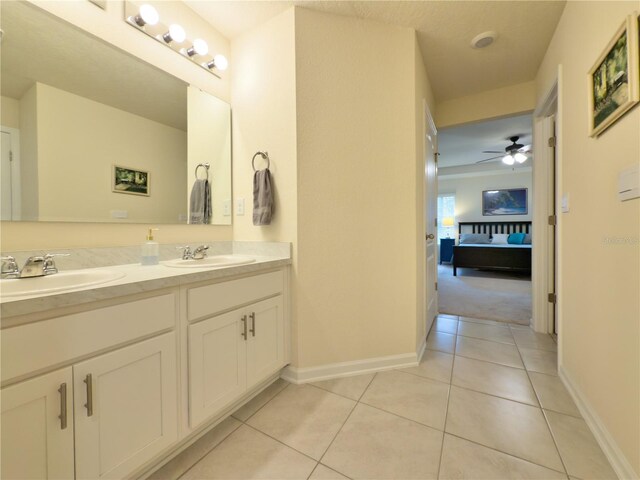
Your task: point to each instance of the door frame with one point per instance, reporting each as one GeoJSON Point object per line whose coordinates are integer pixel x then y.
{"type": "Point", "coordinates": [546, 164]}
{"type": "Point", "coordinates": [16, 187]}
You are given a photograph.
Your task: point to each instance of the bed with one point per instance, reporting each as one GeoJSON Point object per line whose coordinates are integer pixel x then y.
{"type": "Point", "coordinates": [490, 256]}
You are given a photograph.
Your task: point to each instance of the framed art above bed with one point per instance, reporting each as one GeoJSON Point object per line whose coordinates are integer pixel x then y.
{"type": "Point", "coordinates": [508, 201]}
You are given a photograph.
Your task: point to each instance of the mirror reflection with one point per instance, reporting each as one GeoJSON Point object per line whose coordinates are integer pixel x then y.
{"type": "Point", "coordinates": [92, 134]}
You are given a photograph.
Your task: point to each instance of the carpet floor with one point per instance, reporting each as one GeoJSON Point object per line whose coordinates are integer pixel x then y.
{"type": "Point", "coordinates": [501, 296]}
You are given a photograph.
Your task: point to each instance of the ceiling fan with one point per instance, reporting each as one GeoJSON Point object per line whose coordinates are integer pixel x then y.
{"type": "Point", "coordinates": [515, 153]}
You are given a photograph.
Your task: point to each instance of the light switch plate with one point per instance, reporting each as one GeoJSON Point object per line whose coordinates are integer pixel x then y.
{"type": "Point", "coordinates": [564, 203]}
{"type": "Point", "coordinates": [629, 183]}
{"type": "Point", "coordinates": [240, 206]}
{"type": "Point", "coordinates": [226, 208]}
{"type": "Point", "coordinates": [119, 214]}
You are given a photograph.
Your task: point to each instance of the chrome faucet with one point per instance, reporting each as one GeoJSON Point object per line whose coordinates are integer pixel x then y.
{"type": "Point", "coordinates": [199, 253]}
{"type": "Point", "coordinates": [36, 266]}
{"type": "Point", "coordinates": [187, 254]}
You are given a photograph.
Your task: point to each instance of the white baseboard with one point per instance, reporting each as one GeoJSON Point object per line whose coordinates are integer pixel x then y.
{"type": "Point", "coordinates": [349, 369]}
{"type": "Point", "coordinates": [616, 458]}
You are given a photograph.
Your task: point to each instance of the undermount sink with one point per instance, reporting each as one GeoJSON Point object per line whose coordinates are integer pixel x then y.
{"type": "Point", "coordinates": [57, 282]}
{"type": "Point", "coordinates": [210, 262]}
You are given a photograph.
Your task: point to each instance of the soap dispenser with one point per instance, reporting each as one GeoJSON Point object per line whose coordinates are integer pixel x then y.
{"type": "Point", "coordinates": [150, 250]}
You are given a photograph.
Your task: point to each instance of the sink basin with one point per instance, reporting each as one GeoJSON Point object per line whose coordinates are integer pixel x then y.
{"type": "Point", "coordinates": [211, 262]}
{"type": "Point", "coordinates": [57, 282]}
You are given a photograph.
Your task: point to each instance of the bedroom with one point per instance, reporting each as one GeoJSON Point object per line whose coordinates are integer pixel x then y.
{"type": "Point", "coordinates": [484, 220]}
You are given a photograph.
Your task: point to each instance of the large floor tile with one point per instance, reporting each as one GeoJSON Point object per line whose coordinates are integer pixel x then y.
{"type": "Point", "coordinates": [579, 450]}
{"type": "Point", "coordinates": [189, 457]}
{"type": "Point", "coordinates": [445, 325]}
{"type": "Point", "coordinates": [325, 473]}
{"type": "Point", "coordinates": [304, 417]}
{"type": "Point", "coordinates": [350, 387]}
{"type": "Point", "coordinates": [553, 395]}
{"type": "Point", "coordinates": [447, 315]}
{"type": "Point", "coordinates": [443, 342]}
{"type": "Point", "coordinates": [494, 379]}
{"type": "Point", "coordinates": [434, 365]}
{"type": "Point", "coordinates": [257, 402]}
{"type": "Point", "coordinates": [494, 333]}
{"type": "Point", "coordinates": [489, 351]}
{"type": "Point", "coordinates": [508, 426]}
{"type": "Point", "coordinates": [379, 445]}
{"type": "Point", "coordinates": [527, 338]}
{"type": "Point", "coordinates": [540, 361]}
{"type": "Point", "coordinates": [482, 320]}
{"type": "Point", "coordinates": [409, 396]}
{"type": "Point", "coordinates": [462, 459]}
{"type": "Point", "coordinates": [249, 454]}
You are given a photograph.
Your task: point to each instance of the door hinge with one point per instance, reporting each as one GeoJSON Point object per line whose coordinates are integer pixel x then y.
{"type": "Point", "coordinates": [435, 157]}
{"type": "Point", "coordinates": [552, 298]}
{"type": "Point", "coordinates": [553, 220]}
{"type": "Point", "coordinates": [435, 222]}
{"type": "Point", "coordinates": [436, 286]}
{"type": "Point", "coordinates": [552, 142]}
{"type": "Point", "coordinates": [10, 155]}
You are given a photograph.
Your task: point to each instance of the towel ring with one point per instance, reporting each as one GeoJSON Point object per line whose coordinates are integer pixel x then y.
{"type": "Point", "coordinates": [206, 167]}
{"type": "Point", "coordinates": [264, 155]}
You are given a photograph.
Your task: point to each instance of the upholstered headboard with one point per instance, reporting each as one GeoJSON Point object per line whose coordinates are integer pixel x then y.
{"type": "Point", "coordinates": [494, 227]}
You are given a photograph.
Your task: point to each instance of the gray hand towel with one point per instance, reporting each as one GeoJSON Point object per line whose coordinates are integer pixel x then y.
{"type": "Point", "coordinates": [200, 203]}
{"type": "Point", "coordinates": [262, 197]}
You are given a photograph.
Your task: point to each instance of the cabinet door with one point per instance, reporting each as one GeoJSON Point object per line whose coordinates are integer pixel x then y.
{"type": "Point", "coordinates": [125, 407]}
{"type": "Point", "coordinates": [265, 346]}
{"type": "Point", "coordinates": [217, 364]}
{"type": "Point", "coordinates": [34, 442]}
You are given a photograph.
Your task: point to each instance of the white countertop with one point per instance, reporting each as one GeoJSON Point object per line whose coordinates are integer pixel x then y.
{"type": "Point", "coordinates": [137, 279]}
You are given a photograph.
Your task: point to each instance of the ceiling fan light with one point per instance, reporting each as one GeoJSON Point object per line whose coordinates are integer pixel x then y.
{"type": "Point", "coordinates": [520, 157]}
{"type": "Point", "coordinates": [508, 159]}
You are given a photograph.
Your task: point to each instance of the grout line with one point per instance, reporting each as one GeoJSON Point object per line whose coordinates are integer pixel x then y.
{"type": "Point", "coordinates": [446, 413]}
{"type": "Point", "coordinates": [281, 442]}
{"type": "Point", "coordinates": [264, 405]}
{"type": "Point", "coordinates": [314, 469]}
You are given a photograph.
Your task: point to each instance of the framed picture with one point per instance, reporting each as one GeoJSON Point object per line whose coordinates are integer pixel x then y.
{"type": "Point", "coordinates": [512, 201]}
{"type": "Point", "coordinates": [131, 181]}
{"type": "Point", "coordinates": [613, 79]}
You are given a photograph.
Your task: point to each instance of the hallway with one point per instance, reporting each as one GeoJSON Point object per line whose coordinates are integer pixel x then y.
{"type": "Point", "coordinates": [491, 388]}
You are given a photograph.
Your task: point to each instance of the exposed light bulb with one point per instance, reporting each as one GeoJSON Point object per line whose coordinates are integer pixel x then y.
{"type": "Point", "coordinates": [199, 47]}
{"type": "Point", "coordinates": [220, 62]}
{"type": "Point", "coordinates": [520, 157]}
{"type": "Point", "coordinates": [508, 159]}
{"type": "Point", "coordinates": [147, 16]}
{"type": "Point", "coordinates": [175, 34]}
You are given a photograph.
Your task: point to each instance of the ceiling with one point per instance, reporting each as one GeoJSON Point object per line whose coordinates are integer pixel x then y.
{"type": "Point", "coordinates": [463, 145]}
{"type": "Point", "coordinates": [444, 29]}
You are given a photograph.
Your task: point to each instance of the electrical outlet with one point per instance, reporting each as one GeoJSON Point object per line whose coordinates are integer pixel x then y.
{"type": "Point", "coordinates": [119, 214]}
{"type": "Point", "coordinates": [226, 208]}
{"type": "Point", "coordinates": [239, 206]}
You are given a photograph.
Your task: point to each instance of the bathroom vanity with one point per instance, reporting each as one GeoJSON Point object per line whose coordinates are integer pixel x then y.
{"type": "Point", "coordinates": [112, 380]}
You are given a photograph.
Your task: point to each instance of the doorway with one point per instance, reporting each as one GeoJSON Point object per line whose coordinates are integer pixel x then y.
{"type": "Point", "coordinates": [429, 227]}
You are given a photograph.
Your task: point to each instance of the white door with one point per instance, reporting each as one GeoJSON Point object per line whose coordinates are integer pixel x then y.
{"type": "Point", "coordinates": [37, 427]}
{"type": "Point", "coordinates": [5, 178]}
{"type": "Point", "coordinates": [217, 363]}
{"type": "Point", "coordinates": [265, 346]}
{"type": "Point", "coordinates": [430, 226]}
{"type": "Point", "coordinates": [126, 408]}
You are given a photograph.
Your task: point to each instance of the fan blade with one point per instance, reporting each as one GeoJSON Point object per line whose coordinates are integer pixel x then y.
{"type": "Point", "coordinates": [488, 159]}
{"type": "Point", "coordinates": [493, 151]}
{"type": "Point", "coordinates": [526, 148]}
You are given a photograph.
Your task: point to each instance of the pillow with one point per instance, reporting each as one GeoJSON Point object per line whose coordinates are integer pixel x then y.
{"type": "Point", "coordinates": [467, 238]}
{"type": "Point", "coordinates": [527, 239]}
{"type": "Point", "coordinates": [516, 238]}
{"type": "Point", "coordinates": [500, 238]}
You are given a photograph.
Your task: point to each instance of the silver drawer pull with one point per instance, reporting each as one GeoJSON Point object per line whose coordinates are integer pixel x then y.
{"type": "Point", "coordinates": [63, 406]}
{"type": "Point", "coordinates": [244, 326]}
{"type": "Point", "coordinates": [89, 381]}
{"type": "Point", "coordinates": [252, 316]}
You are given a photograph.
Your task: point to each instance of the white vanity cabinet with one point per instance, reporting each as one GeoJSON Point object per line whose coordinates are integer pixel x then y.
{"type": "Point", "coordinates": [231, 352]}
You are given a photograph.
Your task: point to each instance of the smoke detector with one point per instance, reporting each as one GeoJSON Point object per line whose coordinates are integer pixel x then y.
{"type": "Point", "coordinates": [484, 39]}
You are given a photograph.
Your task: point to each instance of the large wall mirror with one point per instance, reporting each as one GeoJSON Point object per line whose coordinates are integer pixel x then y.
{"type": "Point", "coordinates": [93, 134]}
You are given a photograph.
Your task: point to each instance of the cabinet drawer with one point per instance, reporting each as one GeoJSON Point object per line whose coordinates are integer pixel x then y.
{"type": "Point", "coordinates": [211, 299]}
{"type": "Point", "coordinates": [35, 346]}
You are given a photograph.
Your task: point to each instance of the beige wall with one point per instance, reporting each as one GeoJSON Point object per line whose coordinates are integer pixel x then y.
{"type": "Point", "coordinates": [76, 154]}
{"type": "Point", "coordinates": [110, 27]}
{"type": "Point", "coordinates": [599, 280]}
{"type": "Point", "coordinates": [501, 102]}
{"type": "Point", "coordinates": [28, 159]}
{"type": "Point", "coordinates": [357, 189]}
{"type": "Point", "coordinates": [9, 112]}
{"type": "Point", "coordinates": [468, 191]}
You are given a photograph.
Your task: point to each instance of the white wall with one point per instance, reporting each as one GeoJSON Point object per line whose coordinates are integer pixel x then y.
{"type": "Point", "coordinates": [9, 112]}
{"type": "Point", "coordinates": [599, 237]}
{"type": "Point", "coordinates": [468, 192]}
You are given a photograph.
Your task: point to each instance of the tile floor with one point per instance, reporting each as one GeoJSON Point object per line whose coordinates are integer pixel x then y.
{"type": "Point", "coordinates": [485, 403]}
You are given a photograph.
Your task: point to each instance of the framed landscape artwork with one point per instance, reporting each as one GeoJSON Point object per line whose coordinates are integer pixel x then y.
{"type": "Point", "coordinates": [512, 201]}
{"type": "Point", "coordinates": [613, 79]}
{"type": "Point", "coordinates": [131, 181]}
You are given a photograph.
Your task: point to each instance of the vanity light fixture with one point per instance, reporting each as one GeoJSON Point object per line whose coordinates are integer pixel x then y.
{"type": "Point", "coordinates": [219, 61]}
{"type": "Point", "coordinates": [147, 15]}
{"type": "Point", "coordinates": [175, 34]}
{"type": "Point", "coordinates": [199, 47]}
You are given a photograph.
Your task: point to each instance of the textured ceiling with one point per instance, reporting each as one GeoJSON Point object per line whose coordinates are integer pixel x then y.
{"type": "Point", "coordinates": [464, 145]}
{"type": "Point", "coordinates": [445, 29]}
{"type": "Point", "coordinates": [39, 47]}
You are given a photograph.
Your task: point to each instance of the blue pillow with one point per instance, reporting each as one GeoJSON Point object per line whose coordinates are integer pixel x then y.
{"type": "Point", "coordinates": [516, 238]}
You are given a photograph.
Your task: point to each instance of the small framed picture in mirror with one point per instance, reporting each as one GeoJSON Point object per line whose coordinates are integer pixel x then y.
{"type": "Point", "coordinates": [130, 180]}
